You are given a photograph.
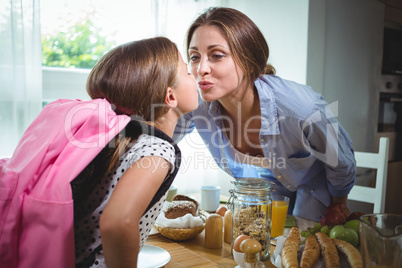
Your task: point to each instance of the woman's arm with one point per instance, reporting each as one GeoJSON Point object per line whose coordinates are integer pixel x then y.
{"type": "Point", "coordinates": [332, 145]}
{"type": "Point", "coordinates": [119, 223]}
{"type": "Point", "coordinates": [343, 199]}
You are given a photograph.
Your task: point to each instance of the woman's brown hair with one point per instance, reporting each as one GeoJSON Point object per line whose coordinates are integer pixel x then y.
{"type": "Point", "coordinates": [246, 42]}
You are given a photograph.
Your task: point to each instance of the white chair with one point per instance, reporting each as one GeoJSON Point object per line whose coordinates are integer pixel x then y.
{"type": "Point", "coordinates": [378, 161]}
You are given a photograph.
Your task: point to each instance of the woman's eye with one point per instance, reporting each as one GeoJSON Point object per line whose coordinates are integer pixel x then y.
{"type": "Point", "coordinates": [216, 57]}
{"type": "Point", "coordinates": [194, 58]}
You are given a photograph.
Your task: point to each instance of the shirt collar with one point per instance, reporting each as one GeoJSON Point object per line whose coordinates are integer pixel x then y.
{"type": "Point", "coordinates": [213, 108]}
{"type": "Point", "coordinates": [268, 106]}
{"type": "Point", "coordinates": [269, 110]}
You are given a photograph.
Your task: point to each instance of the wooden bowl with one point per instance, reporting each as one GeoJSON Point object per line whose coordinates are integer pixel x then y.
{"type": "Point", "coordinates": [182, 234]}
{"type": "Point", "coordinates": [179, 234]}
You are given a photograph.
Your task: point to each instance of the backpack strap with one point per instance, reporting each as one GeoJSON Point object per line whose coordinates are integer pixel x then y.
{"type": "Point", "coordinates": [135, 128]}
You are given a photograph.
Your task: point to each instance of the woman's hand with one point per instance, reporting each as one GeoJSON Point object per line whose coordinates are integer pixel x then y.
{"type": "Point", "coordinates": [343, 200]}
{"type": "Point", "coordinates": [337, 212]}
{"type": "Point", "coordinates": [340, 204]}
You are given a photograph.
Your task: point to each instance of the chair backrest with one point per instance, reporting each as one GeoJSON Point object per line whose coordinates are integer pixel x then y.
{"type": "Point", "coordinates": [378, 161]}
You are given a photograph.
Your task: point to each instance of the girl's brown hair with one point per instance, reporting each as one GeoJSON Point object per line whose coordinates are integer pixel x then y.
{"type": "Point", "coordinates": [246, 42]}
{"type": "Point", "coordinates": [134, 77]}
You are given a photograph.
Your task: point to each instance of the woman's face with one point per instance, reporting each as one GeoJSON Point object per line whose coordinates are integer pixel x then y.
{"type": "Point", "coordinates": [185, 89]}
{"type": "Point", "coordinates": [213, 66]}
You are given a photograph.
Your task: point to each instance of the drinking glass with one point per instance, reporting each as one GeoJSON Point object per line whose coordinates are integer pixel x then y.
{"type": "Point", "coordinates": [279, 208]}
{"type": "Point", "coordinates": [381, 240]}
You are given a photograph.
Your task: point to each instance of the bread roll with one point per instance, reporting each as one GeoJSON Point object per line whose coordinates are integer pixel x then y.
{"type": "Point", "coordinates": [352, 254]}
{"type": "Point", "coordinates": [328, 251]}
{"type": "Point", "coordinates": [176, 209]}
{"type": "Point", "coordinates": [180, 197]}
{"type": "Point", "coordinates": [290, 249]}
{"type": "Point", "coordinates": [311, 252]}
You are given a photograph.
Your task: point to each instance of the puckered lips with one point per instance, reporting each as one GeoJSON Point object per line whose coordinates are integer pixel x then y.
{"type": "Point", "coordinates": [205, 85]}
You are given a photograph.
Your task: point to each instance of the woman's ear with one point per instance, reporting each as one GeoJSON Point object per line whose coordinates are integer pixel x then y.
{"type": "Point", "coordinates": [170, 99]}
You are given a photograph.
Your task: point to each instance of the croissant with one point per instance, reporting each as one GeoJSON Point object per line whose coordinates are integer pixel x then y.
{"type": "Point", "coordinates": [352, 254]}
{"type": "Point", "coordinates": [311, 252]}
{"type": "Point", "coordinates": [328, 251]}
{"type": "Point", "coordinates": [290, 249]}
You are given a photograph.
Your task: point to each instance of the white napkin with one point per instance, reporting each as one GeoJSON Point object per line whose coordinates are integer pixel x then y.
{"type": "Point", "coordinates": [278, 249]}
{"type": "Point", "coordinates": [186, 221]}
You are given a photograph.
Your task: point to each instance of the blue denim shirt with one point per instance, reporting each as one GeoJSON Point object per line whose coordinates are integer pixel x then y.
{"type": "Point", "coordinates": [307, 149]}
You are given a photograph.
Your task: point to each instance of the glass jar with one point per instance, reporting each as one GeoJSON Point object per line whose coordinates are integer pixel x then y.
{"type": "Point", "coordinates": [249, 202]}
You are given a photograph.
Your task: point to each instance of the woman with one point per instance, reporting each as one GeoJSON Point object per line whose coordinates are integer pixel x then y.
{"type": "Point", "coordinates": [117, 197]}
{"type": "Point", "coordinates": [256, 124]}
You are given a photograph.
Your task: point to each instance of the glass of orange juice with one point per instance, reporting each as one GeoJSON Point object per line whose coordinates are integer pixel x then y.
{"type": "Point", "coordinates": [279, 206]}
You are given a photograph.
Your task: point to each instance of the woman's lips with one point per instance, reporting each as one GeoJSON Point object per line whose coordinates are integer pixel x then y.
{"type": "Point", "coordinates": [204, 85]}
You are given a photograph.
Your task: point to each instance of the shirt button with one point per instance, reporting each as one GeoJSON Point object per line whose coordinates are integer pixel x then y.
{"type": "Point", "coordinates": [311, 191]}
{"type": "Point", "coordinates": [288, 186]}
{"type": "Point", "coordinates": [280, 177]}
{"type": "Point", "coordinates": [261, 139]}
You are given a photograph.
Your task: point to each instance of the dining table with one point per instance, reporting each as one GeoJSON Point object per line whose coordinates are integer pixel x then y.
{"type": "Point", "coordinates": [193, 253]}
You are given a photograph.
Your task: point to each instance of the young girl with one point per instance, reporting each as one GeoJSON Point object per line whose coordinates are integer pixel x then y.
{"type": "Point", "coordinates": [137, 78]}
{"type": "Point", "coordinates": [117, 190]}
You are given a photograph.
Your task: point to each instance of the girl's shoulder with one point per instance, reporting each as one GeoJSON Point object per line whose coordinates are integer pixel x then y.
{"type": "Point", "coordinates": [149, 145]}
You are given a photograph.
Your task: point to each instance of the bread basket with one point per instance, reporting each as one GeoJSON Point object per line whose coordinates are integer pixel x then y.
{"type": "Point", "coordinates": [182, 234]}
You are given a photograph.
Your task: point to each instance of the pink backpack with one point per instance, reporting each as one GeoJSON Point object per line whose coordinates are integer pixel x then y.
{"type": "Point", "coordinates": [36, 206]}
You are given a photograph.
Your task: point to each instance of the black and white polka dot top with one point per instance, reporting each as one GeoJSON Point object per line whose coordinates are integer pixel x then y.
{"type": "Point", "coordinates": [87, 233]}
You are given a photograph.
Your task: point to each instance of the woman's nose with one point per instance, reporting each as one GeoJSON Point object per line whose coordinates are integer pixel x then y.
{"type": "Point", "coordinates": [203, 67]}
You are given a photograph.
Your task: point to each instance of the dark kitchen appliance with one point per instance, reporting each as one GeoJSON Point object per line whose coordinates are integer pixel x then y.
{"type": "Point", "coordinates": [392, 49]}
{"type": "Point", "coordinates": [390, 114]}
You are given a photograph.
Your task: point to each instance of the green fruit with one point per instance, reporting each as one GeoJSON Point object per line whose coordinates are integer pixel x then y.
{"type": "Point", "coordinates": [317, 227]}
{"type": "Point", "coordinates": [325, 229]}
{"type": "Point", "coordinates": [345, 234]}
{"type": "Point", "coordinates": [354, 225]}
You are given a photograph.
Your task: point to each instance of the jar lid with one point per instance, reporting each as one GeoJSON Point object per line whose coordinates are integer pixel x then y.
{"type": "Point", "coordinates": [253, 184]}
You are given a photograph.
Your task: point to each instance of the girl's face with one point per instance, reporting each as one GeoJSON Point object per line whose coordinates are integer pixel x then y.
{"type": "Point", "coordinates": [185, 89]}
{"type": "Point", "coordinates": [213, 66]}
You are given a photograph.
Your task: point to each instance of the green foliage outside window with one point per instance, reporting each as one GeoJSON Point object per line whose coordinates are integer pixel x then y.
{"type": "Point", "coordinates": [79, 46]}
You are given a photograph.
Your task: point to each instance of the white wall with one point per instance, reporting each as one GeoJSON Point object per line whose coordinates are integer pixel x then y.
{"type": "Point", "coordinates": [344, 62]}
{"type": "Point", "coordinates": [285, 27]}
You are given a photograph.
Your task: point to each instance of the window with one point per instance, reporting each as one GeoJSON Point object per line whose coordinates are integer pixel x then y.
{"type": "Point", "coordinates": [111, 23]}
{"type": "Point", "coordinates": [114, 22]}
